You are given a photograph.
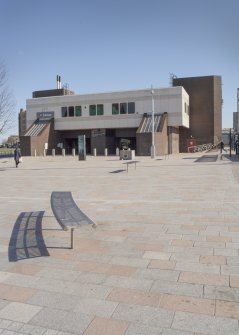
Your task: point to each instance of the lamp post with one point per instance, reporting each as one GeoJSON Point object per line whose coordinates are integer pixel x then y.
{"type": "Point", "coordinates": [152, 146]}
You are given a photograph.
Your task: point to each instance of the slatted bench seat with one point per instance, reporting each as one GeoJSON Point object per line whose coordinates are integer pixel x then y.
{"type": "Point", "coordinates": [67, 213]}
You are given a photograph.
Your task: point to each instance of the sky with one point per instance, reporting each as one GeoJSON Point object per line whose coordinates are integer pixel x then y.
{"type": "Point", "coordinates": [110, 45]}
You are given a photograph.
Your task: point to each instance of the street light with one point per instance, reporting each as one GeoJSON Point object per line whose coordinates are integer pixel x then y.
{"type": "Point", "coordinates": [152, 146]}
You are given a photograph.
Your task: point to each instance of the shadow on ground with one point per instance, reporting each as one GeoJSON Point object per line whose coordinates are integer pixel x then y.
{"type": "Point", "coordinates": [207, 158]}
{"type": "Point", "coordinates": [232, 158]}
{"type": "Point", "coordinates": [117, 171]}
{"type": "Point", "coordinates": [26, 240]}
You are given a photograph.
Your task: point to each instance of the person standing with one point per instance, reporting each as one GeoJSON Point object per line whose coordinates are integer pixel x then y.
{"type": "Point", "coordinates": [222, 146]}
{"type": "Point", "coordinates": [17, 155]}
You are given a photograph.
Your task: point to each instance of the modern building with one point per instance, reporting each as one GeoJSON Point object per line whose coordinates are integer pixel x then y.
{"type": "Point", "coordinates": [236, 115]}
{"type": "Point", "coordinates": [55, 118]}
{"type": "Point", "coordinates": [236, 121]}
{"type": "Point", "coordinates": [189, 111]}
{"type": "Point", "coordinates": [205, 115]}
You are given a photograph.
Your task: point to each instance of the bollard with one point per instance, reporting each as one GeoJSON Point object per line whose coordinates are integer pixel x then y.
{"type": "Point", "coordinates": [35, 152]}
{"type": "Point", "coordinates": [53, 152]}
{"type": "Point", "coordinates": [106, 152]}
{"type": "Point", "coordinates": [73, 152]}
{"type": "Point", "coordinates": [94, 152]}
{"type": "Point", "coordinates": [44, 152]}
{"type": "Point", "coordinates": [63, 152]}
{"type": "Point", "coordinates": [117, 152]}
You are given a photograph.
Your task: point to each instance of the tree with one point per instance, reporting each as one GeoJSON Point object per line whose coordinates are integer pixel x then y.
{"type": "Point", "coordinates": [7, 104]}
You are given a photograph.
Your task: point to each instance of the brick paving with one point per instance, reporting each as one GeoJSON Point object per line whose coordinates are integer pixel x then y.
{"type": "Point", "coordinates": [163, 260]}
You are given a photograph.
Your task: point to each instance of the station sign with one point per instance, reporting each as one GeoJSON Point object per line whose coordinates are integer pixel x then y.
{"type": "Point", "coordinates": [45, 115]}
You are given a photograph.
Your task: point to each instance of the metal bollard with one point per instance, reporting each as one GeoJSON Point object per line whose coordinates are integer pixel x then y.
{"type": "Point", "coordinates": [117, 152]}
{"type": "Point", "coordinates": [106, 152]}
{"type": "Point", "coordinates": [63, 152]}
{"type": "Point", "coordinates": [53, 152]}
{"type": "Point", "coordinates": [73, 152]}
{"type": "Point", "coordinates": [94, 152]}
{"type": "Point", "coordinates": [35, 152]}
{"type": "Point", "coordinates": [44, 152]}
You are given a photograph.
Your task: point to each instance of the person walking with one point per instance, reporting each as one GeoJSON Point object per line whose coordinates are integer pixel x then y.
{"type": "Point", "coordinates": [222, 146]}
{"type": "Point", "coordinates": [17, 156]}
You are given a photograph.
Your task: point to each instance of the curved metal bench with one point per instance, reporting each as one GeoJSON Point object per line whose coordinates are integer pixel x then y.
{"type": "Point", "coordinates": [67, 213]}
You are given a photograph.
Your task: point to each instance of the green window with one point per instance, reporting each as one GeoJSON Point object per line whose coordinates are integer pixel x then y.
{"type": "Point", "coordinates": [131, 108]}
{"type": "Point", "coordinates": [115, 109]}
{"type": "Point", "coordinates": [77, 110]}
{"type": "Point", "coordinates": [100, 109]}
{"type": "Point", "coordinates": [71, 110]}
{"type": "Point", "coordinates": [64, 111]}
{"type": "Point", "coordinates": [123, 108]}
{"type": "Point", "coordinates": [92, 110]}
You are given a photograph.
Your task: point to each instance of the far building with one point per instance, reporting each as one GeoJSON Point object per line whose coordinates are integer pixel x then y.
{"type": "Point", "coordinates": [54, 119]}
{"type": "Point", "coordinates": [236, 115]}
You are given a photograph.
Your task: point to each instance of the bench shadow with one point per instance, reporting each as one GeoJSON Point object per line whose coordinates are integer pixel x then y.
{"type": "Point", "coordinates": [26, 240]}
{"type": "Point", "coordinates": [117, 171]}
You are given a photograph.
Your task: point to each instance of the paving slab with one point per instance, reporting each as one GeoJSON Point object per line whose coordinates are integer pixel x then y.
{"type": "Point", "coordinates": [163, 259]}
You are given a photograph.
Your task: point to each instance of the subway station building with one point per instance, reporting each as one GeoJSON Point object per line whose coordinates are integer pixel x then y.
{"type": "Point", "coordinates": [54, 119]}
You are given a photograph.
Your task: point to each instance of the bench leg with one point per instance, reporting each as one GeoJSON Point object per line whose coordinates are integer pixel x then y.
{"type": "Point", "coordinates": [72, 238]}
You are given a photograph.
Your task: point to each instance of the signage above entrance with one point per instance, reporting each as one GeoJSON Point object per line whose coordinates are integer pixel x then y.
{"type": "Point", "coordinates": [45, 115]}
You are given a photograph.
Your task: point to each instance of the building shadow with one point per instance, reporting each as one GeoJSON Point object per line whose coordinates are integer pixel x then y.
{"type": "Point", "coordinates": [26, 240]}
{"type": "Point", "coordinates": [206, 159]}
{"type": "Point", "coordinates": [232, 158]}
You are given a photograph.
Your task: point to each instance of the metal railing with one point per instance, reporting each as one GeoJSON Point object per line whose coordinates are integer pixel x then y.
{"type": "Point", "coordinates": [201, 147]}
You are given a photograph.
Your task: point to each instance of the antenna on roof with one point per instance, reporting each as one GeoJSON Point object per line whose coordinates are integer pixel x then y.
{"type": "Point", "coordinates": [172, 76]}
{"type": "Point", "coordinates": [66, 86]}
{"type": "Point", "coordinates": [58, 82]}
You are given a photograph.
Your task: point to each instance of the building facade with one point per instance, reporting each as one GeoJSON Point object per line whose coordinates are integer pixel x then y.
{"type": "Point", "coordinates": [55, 119]}
{"type": "Point", "coordinates": [205, 110]}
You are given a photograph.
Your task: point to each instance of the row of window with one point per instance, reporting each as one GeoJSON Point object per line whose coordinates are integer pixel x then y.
{"type": "Point", "coordinates": [117, 108]}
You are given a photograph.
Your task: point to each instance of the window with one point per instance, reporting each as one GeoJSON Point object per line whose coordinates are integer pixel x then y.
{"type": "Point", "coordinates": [123, 108]}
{"type": "Point", "coordinates": [71, 110]}
{"type": "Point", "coordinates": [64, 111]}
{"type": "Point", "coordinates": [131, 108]}
{"type": "Point", "coordinates": [92, 110]}
{"type": "Point", "coordinates": [115, 109]}
{"type": "Point", "coordinates": [100, 109]}
{"type": "Point", "coordinates": [77, 110]}
{"type": "Point", "coordinates": [186, 108]}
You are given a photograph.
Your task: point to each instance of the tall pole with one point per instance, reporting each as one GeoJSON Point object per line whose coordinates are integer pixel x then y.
{"type": "Point", "coordinates": [152, 146]}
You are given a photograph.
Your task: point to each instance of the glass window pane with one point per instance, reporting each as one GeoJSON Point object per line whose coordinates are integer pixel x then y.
{"type": "Point", "coordinates": [92, 110]}
{"type": "Point", "coordinates": [71, 110]}
{"type": "Point", "coordinates": [123, 108]}
{"type": "Point", "coordinates": [131, 108]}
{"type": "Point", "coordinates": [115, 109]}
{"type": "Point", "coordinates": [64, 111]}
{"type": "Point", "coordinates": [100, 109]}
{"type": "Point", "coordinates": [78, 110]}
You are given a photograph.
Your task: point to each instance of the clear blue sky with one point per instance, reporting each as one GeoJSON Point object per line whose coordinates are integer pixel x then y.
{"type": "Point", "coordinates": [107, 45]}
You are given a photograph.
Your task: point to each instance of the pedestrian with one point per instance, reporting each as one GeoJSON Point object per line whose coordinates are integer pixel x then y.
{"type": "Point", "coordinates": [17, 156]}
{"type": "Point", "coordinates": [222, 146]}
{"type": "Point", "coordinates": [237, 147]}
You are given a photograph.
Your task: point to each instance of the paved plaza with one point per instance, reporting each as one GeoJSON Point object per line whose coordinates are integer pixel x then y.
{"type": "Point", "coordinates": [163, 259]}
